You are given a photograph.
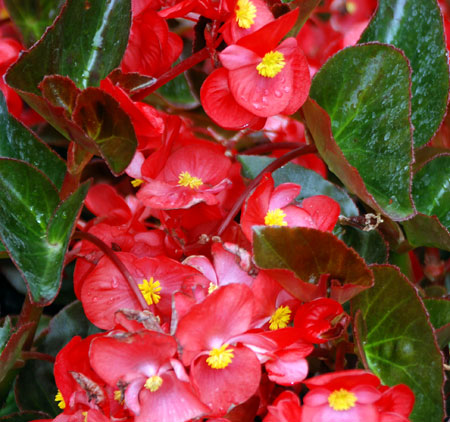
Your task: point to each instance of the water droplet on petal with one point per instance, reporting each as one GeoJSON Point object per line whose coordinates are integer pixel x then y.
{"type": "Point", "coordinates": [277, 93]}
{"type": "Point", "coordinates": [257, 106]}
{"type": "Point", "coordinates": [287, 89]}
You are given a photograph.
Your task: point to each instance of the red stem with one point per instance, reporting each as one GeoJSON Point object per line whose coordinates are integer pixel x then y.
{"type": "Point", "coordinates": [181, 67]}
{"type": "Point", "coordinates": [274, 165]}
{"type": "Point", "coordinates": [29, 313]}
{"type": "Point", "coordinates": [38, 356]}
{"type": "Point", "coordinates": [116, 261]}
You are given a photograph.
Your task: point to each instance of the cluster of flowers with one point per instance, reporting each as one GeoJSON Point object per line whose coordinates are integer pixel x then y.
{"type": "Point", "coordinates": [192, 328]}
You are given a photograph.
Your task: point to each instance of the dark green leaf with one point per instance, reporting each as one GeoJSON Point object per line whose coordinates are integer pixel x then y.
{"type": "Point", "coordinates": [431, 189]}
{"type": "Point", "coordinates": [34, 228]}
{"type": "Point", "coordinates": [85, 43]}
{"type": "Point", "coordinates": [310, 254]}
{"type": "Point", "coordinates": [100, 116]}
{"type": "Point", "coordinates": [5, 332]}
{"type": "Point", "coordinates": [423, 230]}
{"type": "Point", "coordinates": [17, 141]}
{"type": "Point", "coordinates": [311, 182]}
{"type": "Point", "coordinates": [24, 417]}
{"type": "Point", "coordinates": [178, 93]}
{"type": "Point", "coordinates": [398, 342]}
{"type": "Point", "coordinates": [416, 27]}
{"type": "Point", "coordinates": [439, 311]}
{"type": "Point", "coordinates": [368, 145]}
{"type": "Point", "coordinates": [370, 245]}
{"type": "Point", "coordinates": [33, 17]}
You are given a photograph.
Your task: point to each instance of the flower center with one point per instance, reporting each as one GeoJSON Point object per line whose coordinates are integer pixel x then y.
{"type": "Point", "coordinates": [150, 290]}
{"type": "Point", "coordinates": [342, 399]}
{"type": "Point", "coordinates": [212, 287]}
{"type": "Point", "coordinates": [153, 383]}
{"type": "Point", "coordinates": [245, 13]}
{"type": "Point", "coordinates": [137, 182]}
{"type": "Point", "coordinates": [85, 414]}
{"type": "Point", "coordinates": [275, 218]}
{"type": "Point", "coordinates": [118, 396]}
{"type": "Point", "coordinates": [60, 400]}
{"type": "Point", "coordinates": [351, 7]}
{"type": "Point", "coordinates": [271, 64]}
{"type": "Point", "coordinates": [185, 179]}
{"type": "Point", "coordinates": [220, 358]}
{"type": "Point", "coordinates": [280, 318]}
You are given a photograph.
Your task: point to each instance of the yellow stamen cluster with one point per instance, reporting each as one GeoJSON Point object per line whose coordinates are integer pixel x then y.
{"type": "Point", "coordinates": [280, 318]}
{"type": "Point", "coordinates": [275, 218]}
{"type": "Point", "coordinates": [85, 414]}
{"type": "Point", "coordinates": [212, 287]}
{"type": "Point", "coordinates": [220, 358]}
{"type": "Point", "coordinates": [342, 400]}
{"type": "Point", "coordinates": [137, 182]}
{"type": "Point", "coordinates": [153, 383]}
{"type": "Point", "coordinates": [271, 64]}
{"type": "Point", "coordinates": [351, 7]}
{"type": "Point", "coordinates": [245, 13]}
{"type": "Point", "coordinates": [118, 396]}
{"type": "Point", "coordinates": [150, 290]}
{"type": "Point", "coordinates": [60, 399]}
{"type": "Point", "coordinates": [185, 179]}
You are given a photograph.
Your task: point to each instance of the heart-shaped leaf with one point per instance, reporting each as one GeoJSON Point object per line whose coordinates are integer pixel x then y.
{"type": "Point", "coordinates": [311, 182]}
{"type": "Point", "coordinates": [86, 42]}
{"type": "Point", "coordinates": [17, 141]}
{"type": "Point", "coordinates": [366, 137]}
{"type": "Point", "coordinates": [35, 227]}
{"type": "Point", "coordinates": [310, 254]}
{"type": "Point", "coordinates": [416, 27]}
{"type": "Point", "coordinates": [397, 340]}
{"type": "Point", "coordinates": [32, 18]}
{"type": "Point", "coordinates": [423, 230]}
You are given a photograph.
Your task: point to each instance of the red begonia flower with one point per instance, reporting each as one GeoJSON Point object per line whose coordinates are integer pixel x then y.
{"type": "Point", "coordinates": [260, 78]}
{"type": "Point", "coordinates": [286, 408]}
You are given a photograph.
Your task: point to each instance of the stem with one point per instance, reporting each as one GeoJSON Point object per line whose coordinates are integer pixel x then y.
{"type": "Point", "coordinates": [37, 356]}
{"type": "Point", "coordinates": [29, 313]}
{"type": "Point", "coordinates": [274, 165]}
{"type": "Point", "coordinates": [172, 73]}
{"type": "Point", "coordinates": [116, 261]}
{"type": "Point", "coordinates": [269, 147]}
{"type": "Point", "coordinates": [70, 185]}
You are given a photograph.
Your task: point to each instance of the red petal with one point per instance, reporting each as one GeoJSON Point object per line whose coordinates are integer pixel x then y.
{"type": "Point", "coordinates": [323, 210]}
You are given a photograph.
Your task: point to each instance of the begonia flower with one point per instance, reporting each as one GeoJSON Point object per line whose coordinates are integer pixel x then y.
{"type": "Point", "coordinates": [260, 78]}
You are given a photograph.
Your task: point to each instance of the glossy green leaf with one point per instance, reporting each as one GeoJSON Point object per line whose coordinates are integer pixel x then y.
{"type": "Point", "coordinates": [310, 254]}
{"type": "Point", "coordinates": [439, 311]}
{"type": "Point", "coordinates": [178, 93]}
{"type": "Point", "coordinates": [35, 227]}
{"type": "Point", "coordinates": [33, 17]}
{"type": "Point", "coordinates": [311, 182]}
{"type": "Point", "coordinates": [5, 332]}
{"type": "Point", "coordinates": [370, 245]}
{"type": "Point", "coordinates": [368, 143]}
{"type": "Point", "coordinates": [431, 189]}
{"type": "Point", "coordinates": [423, 230]}
{"type": "Point", "coordinates": [416, 27]}
{"type": "Point", "coordinates": [17, 141]}
{"type": "Point", "coordinates": [85, 43]}
{"type": "Point", "coordinates": [397, 340]}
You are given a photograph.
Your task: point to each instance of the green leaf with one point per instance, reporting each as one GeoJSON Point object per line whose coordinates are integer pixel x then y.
{"type": "Point", "coordinates": [33, 17]}
{"type": "Point", "coordinates": [35, 386]}
{"type": "Point", "coordinates": [311, 182]}
{"type": "Point", "coordinates": [423, 230]}
{"type": "Point", "coordinates": [310, 254]}
{"type": "Point", "coordinates": [178, 93]}
{"type": "Point", "coordinates": [439, 311]}
{"type": "Point", "coordinates": [305, 8]}
{"type": "Point", "coordinates": [370, 245]}
{"type": "Point", "coordinates": [100, 116]}
{"type": "Point", "coordinates": [431, 189]}
{"type": "Point", "coordinates": [416, 27]}
{"type": "Point", "coordinates": [367, 138]}
{"type": "Point", "coordinates": [17, 141]}
{"type": "Point", "coordinates": [85, 43]}
{"type": "Point", "coordinates": [35, 227]}
{"type": "Point", "coordinates": [397, 340]}
{"type": "Point", "coordinates": [5, 332]}
{"type": "Point", "coordinates": [24, 417]}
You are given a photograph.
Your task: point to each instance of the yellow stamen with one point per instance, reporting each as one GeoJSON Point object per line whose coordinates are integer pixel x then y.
{"type": "Point", "coordinates": [118, 396]}
{"type": "Point", "coordinates": [220, 358]}
{"type": "Point", "coordinates": [60, 399]}
{"type": "Point", "coordinates": [275, 218]}
{"type": "Point", "coordinates": [351, 7]}
{"type": "Point", "coordinates": [153, 383]}
{"type": "Point", "coordinates": [185, 179]}
{"type": "Point", "coordinates": [271, 64]}
{"type": "Point", "coordinates": [342, 400]}
{"type": "Point", "coordinates": [150, 290]}
{"type": "Point", "coordinates": [280, 318]}
{"type": "Point", "coordinates": [85, 416]}
{"type": "Point", "coordinates": [245, 13]}
{"type": "Point", "coordinates": [137, 182]}
{"type": "Point", "coordinates": [212, 287]}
